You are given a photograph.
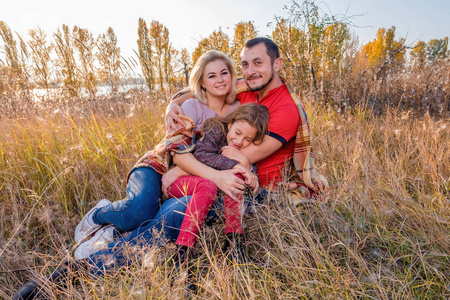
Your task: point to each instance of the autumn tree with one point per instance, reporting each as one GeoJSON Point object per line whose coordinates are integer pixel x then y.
{"type": "Point", "coordinates": [243, 32]}
{"type": "Point", "coordinates": [383, 53]}
{"type": "Point", "coordinates": [293, 50]}
{"type": "Point", "coordinates": [217, 40]}
{"type": "Point", "coordinates": [145, 54]}
{"type": "Point", "coordinates": [186, 64]}
{"type": "Point", "coordinates": [109, 59]}
{"type": "Point", "coordinates": [13, 69]}
{"type": "Point", "coordinates": [24, 61]}
{"type": "Point", "coordinates": [163, 53]}
{"type": "Point", "coordinates": [334, 44]}
{"type": "Point", "coordinates": [65, 61]}
{"type": "Point", "coordinates": [40, 54]}
{"type": "Point", "coordinates": [84, 43]}
{"type": "Point", "coordinates": [418, 55]}
{"type": "Point", "coordinates": [307, 17]}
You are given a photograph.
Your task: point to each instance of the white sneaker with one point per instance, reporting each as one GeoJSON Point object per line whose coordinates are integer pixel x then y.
{"type": "Point", "coordinates": [87, 226]}
{"type": "Point", "coordinates": [99, 241]}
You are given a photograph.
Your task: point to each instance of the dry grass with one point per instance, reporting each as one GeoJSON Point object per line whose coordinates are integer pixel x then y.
{"type": "Point", "coordinates": [385, 233]}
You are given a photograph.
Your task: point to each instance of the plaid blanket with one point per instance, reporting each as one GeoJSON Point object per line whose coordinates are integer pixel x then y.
{"type": "Point", "coordinates": [305, 172]}
{"type": "Point", "coordinates": [181, 141]}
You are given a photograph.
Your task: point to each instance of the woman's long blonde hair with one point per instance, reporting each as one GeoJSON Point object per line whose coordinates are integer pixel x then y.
{"type": "Point", "coordinates": [196, 78]}
{"type": "Point", "coordinates": [255, 114]}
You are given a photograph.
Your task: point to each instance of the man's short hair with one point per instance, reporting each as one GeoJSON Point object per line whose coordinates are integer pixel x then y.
{"type": "Point", "coordinates": [272, 49]}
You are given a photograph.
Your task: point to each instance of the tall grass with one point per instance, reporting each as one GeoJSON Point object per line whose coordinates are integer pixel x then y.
{"type": "Point", "coordinates": [384, 234]}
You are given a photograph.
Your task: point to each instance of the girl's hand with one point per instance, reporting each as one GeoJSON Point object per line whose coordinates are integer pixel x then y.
{"type": "Point", "coordinates": [250, 179]}
{"type": "Point", "coordinates": [233, 153]}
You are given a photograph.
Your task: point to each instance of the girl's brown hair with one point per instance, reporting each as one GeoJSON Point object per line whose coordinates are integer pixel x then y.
{"type": "Point", "coordinates": [255, 114]}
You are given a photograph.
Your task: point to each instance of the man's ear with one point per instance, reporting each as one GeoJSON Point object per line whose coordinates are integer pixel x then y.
{"type": "Point", "coordinates": [277, 64]}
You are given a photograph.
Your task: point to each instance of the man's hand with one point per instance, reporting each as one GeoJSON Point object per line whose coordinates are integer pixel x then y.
{"type": "Point", "coordinates": [233, 153]}
{"type": "Point", "coordinates": [170, 177]}
{"type": "Point", "coordinates": [173, 121]}
{"type": "Point", "coordinates": [250, 179]}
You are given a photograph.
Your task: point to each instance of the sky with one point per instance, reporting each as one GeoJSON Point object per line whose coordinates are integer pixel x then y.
{"type": "Point", "coordinates": [188, 21]}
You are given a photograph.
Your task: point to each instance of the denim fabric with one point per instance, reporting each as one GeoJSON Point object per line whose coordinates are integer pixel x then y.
{"type": "Point", "coordinates": [164, 227]}
{"type": "Point", "coordinates": [140, 206]}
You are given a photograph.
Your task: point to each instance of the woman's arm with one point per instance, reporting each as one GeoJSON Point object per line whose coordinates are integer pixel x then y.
{"type": "Point", "coordinates": [226, 180]}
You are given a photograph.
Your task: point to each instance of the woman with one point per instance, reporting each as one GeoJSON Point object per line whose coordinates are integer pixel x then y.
{"type": "Point", "coordinates": [141, 213]}
{"type": "Point", "coordinates": [212, 82]}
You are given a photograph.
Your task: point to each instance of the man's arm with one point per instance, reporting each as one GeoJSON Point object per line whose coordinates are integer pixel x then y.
{"type": "Point", "coordinates": [256, 153]}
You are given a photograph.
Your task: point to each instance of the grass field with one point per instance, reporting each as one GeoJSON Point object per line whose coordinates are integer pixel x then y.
{"type": "Point", "coordinates": [385, 233]}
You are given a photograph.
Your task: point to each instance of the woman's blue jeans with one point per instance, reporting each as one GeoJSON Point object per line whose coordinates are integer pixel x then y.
{"type": "Point", "coordinates": [164, 227]}
{"type": "Point", "coordinates": [142, 216]}
{"type": "Point", "coordinates": [141, 204]}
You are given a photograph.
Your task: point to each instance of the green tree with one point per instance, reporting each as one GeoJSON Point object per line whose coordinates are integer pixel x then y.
{"type": "Point", "coordinates": [109, 58]}
{"type": "Point", "coordinates": [436, 49]}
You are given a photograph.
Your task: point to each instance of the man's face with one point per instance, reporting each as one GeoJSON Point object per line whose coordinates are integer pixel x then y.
{"type": "Point", "coordinates": [257, 67]}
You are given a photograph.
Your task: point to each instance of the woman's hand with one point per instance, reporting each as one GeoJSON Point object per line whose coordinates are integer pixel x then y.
{"type": "Point", "coordinates": [233, 153]}
{"type": "Point", "coordinates": [229, 183]}
{"type": "Point", "coordinates": [250, 179]}
{"type": "Point", "coordinates": [170, 177]}
{"type": "Point", "coordinates": [173, 121]}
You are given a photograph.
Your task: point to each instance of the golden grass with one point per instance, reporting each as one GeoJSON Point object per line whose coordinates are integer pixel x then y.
{"type": "Point", "coordinates": [384, 234]}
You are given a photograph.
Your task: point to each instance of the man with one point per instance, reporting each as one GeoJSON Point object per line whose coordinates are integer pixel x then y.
{"type": "Point", "coordinates": [261, 64]}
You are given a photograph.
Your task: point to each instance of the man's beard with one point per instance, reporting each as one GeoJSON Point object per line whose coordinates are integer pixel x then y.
{"type": "Point", "coordinates": [262, 86]}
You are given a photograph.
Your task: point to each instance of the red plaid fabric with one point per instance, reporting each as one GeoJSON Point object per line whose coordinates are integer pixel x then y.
{"type": "Point", "coordinates": [181, 141]}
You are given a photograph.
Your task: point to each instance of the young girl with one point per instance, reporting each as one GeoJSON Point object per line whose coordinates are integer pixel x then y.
{"type": "Point", "coordinates": [247, 124]}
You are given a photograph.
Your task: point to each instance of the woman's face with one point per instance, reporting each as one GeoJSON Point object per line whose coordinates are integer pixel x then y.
{"type": "Point", "coordinates": [240, 134]}
{"type": "Point", "coordinates": [216, 79]}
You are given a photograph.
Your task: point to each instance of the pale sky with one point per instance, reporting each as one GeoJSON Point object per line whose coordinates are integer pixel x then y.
{"type": "Point", "coordinates": [189, 21]}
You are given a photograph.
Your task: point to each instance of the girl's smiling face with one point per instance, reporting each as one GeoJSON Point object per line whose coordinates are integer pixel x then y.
{"type": "Point", "coordinates": [240, 134]}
